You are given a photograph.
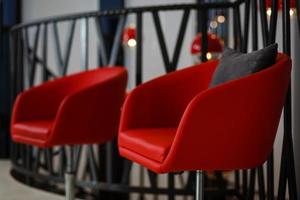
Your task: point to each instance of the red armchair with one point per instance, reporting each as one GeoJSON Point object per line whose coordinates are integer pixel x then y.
{"type": "Point", "coordinates": [79, 109]}
{"type": "Point", "coordinates": [176, 123]}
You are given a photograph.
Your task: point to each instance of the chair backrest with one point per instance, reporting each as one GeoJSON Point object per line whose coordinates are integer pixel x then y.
{"type": "Point", "coordinates": [233, 125]}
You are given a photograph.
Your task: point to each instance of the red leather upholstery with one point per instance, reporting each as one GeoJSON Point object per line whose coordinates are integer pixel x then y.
{"type": "Point", "coordinates": [83, 108]}
{"type": "Point", "coordinates": [231, 126]}
{"type": "Point", "coordinates": [154, 143]}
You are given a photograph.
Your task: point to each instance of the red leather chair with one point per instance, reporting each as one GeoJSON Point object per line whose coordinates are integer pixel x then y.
{"type": "Point", "coordinates": [83, 108]}
{"type": "Point", "coordinates": [176, 123]}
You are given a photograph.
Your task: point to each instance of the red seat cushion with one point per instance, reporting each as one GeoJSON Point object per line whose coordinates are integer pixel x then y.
{"type": "Point", "coordinates": [153, 143]}
{"type": "Point", "coordinates": [33, 129]}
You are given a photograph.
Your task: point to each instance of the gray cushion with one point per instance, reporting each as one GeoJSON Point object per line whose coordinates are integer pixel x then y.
{"type": "Point", "coordinates": [234, 65]}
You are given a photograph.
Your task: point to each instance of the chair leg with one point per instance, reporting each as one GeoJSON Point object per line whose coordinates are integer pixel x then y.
{"type": "Point", "coordinates": [69, 176]}
{"type": "Point", "coordinates": [199, 185]}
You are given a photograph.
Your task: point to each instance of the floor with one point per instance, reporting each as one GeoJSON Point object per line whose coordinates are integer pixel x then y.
{"type": "Point", "coordinates": [13, 190]}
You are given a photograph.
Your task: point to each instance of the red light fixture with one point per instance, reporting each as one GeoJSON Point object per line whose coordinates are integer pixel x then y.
{"type": "Point", "coordinates": [214, 43]}
{"type": "Point", "coordinates": [280, 4]}
{"type": "Point", "coordinates": [129, 36]}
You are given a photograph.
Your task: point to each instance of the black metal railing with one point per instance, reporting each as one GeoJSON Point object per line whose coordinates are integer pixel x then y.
{"type": "Point", "coordinates": [44, 167]}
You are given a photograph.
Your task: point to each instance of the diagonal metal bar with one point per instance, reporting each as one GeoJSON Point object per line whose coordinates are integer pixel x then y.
{"type": "Point", "coordinates": [116, 44]}
{"type": "Point", "coordinates": [84, 40]}
{"type": "Point", "coordinates": [57, 45]}
{"type": "Point", "coordinates": [171, 65]}
{"type": "Point", "coordinates": [77, 153]}
{"type": "Point", "coordinates": [287, 168]}
{"type": "Point", "coordinates": [62, 161]}
{"type": "Point", "coordinates": [180, 37]}
{"type": "Point", "coordinates": [27, 61]}
{"type": "Point", "coordinates": [126, 172]}
{"type": "Point", "coordinates": [153, 179]}
{"type": "Point", "coordinates": [161, 40]}
{"type": "Point", "coordinates": [33, 54]}
{"type": "Point", "coordinates": [102, 49]}
{"type": "Point", "coordinates": [45, 53]}
{"type": "Point", "coordinates": [69, 43]}
{"type": "Point", "coordinates": [92, 163]}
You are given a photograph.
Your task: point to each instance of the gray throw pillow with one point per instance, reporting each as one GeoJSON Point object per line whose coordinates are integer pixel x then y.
{"type": "Point", "coordinates": [234, 64]}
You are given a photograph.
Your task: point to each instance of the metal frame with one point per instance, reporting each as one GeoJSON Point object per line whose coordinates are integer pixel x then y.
{"type": "Point", "coordinates": [23, 53]}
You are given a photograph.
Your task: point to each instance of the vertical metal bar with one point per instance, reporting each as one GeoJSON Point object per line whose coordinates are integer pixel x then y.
{"type": "Point", "coordinates": [12, 69]}
{"type": "Point", "coordinates": [19, 67]}
{"type": "Point", "coordinates": [250, 193]}
{"type": "Point", "coordinates": [238, 30]}
{"type": "Point", "coordinates": [254, 25]}
{"type": "Point", "coordinates": [204, 45]}
{"type": "Point", "coordinates": [298, 13]}
{"type": "Point", "coordinates": [199, 185]}
{"type": "Point", "coordinates": [84, 39]}
{"type": "Point", "coordinates": [37, 160]}
{"type": "Point", "coordinates": [171, 186]}
{"type": "Point", "coordinates": [109, 153]}
{"type": "Point", "coordinates": [264, 21]}
{"type": "Point", "coordinates": [270, 177]}
{"type": "Point", "coordinates": [69, 176]}
{"type": "Point", "coordinates": [45, 52]}
{"type": "Point", "coordinates": [246, 26]}
{"type": "Point", "coordinates": [28, 161]}
{"type": "Point", "coordinates": [126, 172]}
{"type": "Point", "coordinates": [49, 160]}
{"type": "Point", "coordinates": [261, 183]}
{"type": "Point", "coordinates": [139, 48]}
{"type": "Point", "coordinates": [245, 182]}
{"type": "Point", "coordinates": [17, 72]}
{"type": "Point", "coordinates": [273, 22]}
{"type": "Point", "coordinates": [237, 180]}
{"type": "Point", "coordinates": [116, 43]}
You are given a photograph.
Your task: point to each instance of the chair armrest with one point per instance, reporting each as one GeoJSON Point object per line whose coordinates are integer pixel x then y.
{"type": "Point", "coordinates": [40, 102]}
{"type": "Point", "coordinates": [90, 115]}
{"type": "Point", "coordinates": [232, 125]}
{"type": "Point", "coordinates": [162, 101]}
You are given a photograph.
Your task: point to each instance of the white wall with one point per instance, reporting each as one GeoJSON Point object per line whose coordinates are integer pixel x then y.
{"type": "Point", "coordinates": [153, 65]}
{"type": "Point", "coordinates": [37, 9]}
